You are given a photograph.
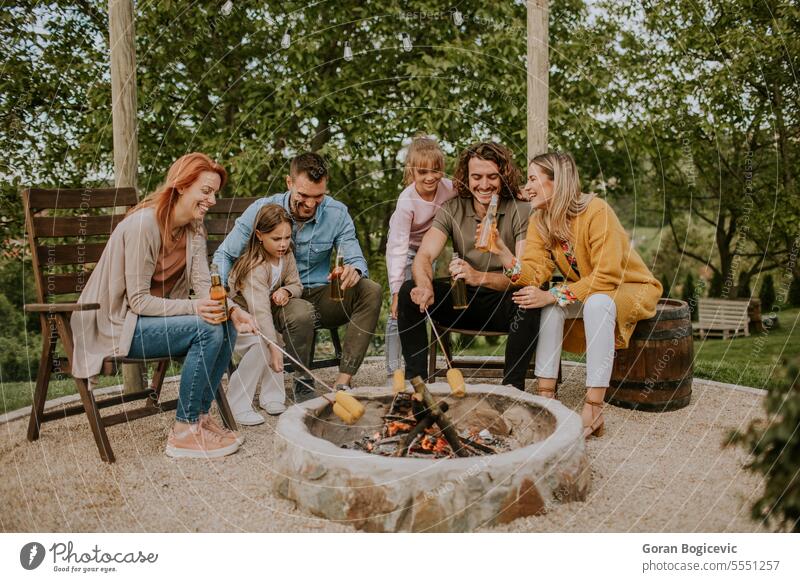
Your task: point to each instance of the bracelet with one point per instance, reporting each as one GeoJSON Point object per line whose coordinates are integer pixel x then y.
{"type": "Point", "coordinates": [514, 271]}
{"type": "Point", "coordinates": [231, 310]}
{"type": "Point", "coordinates": [564, 296]}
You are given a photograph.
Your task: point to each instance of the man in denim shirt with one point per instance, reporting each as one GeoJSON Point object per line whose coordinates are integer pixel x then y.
{"type": "Point", "coordinates": [320, 226]}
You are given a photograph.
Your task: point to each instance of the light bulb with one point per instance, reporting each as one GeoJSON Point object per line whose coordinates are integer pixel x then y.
{"type": "Point", "coordinates": [286, 41]}
{"type": "Point", "coordinates": [458, 18]}
{"type": "Point", "coordinates": [407, 46]}
{"type": "Point", "coordinates": [227, 8]}
{"type": "Point", "coordinates": [348, 52]}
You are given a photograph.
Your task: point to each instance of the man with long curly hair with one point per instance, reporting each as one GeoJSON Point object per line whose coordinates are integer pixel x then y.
{"type": "Point", "coordinates": [484, 170]}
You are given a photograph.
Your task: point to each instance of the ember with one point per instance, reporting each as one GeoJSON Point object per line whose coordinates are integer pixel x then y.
{"type": "Point", "coordinates": [414, 426]}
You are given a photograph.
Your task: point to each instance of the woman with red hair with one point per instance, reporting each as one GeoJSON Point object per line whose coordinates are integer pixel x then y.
{"type": "Point", "coordinates": [142, 281]}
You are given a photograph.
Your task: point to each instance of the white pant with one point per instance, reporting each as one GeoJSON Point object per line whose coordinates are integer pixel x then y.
{"type": "Point", "coordinates": [253, 371]}
{"type": "Point", "coordinates": [599, 319]}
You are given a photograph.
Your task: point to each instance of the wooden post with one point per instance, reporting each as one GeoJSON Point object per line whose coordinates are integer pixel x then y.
{"type": "Point", "coordinates": [538, 73]}
{"type": "Point", "coordinates": [122, 41]}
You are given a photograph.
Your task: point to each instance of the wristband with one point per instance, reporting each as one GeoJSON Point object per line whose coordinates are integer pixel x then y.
{"type": "Point", "coordinates": [564, 296]}
{"type": "Point", "coordinates": [514, 271]}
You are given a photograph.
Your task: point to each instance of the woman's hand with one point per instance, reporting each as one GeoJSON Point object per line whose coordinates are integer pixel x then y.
{"type": "Point", "coordinates": [243, 321]}
{"type": "Point", "coordinates": [275, 359]}
{"type": "Point", "coordinates": [210, 310]}
{"type": "Point", "coordinates": [281, 297]}
{"type": "Point", "coordinates": [533, 298]}
{"type": "Point", "coordinates": [393, 309]}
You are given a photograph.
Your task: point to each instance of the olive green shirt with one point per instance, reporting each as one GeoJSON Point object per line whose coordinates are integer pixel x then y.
{"type": "Point", "coordinates": [457, 219]}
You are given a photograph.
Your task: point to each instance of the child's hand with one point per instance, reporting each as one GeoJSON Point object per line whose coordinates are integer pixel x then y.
{"type": "Point", "coordinates": [276, 359]}
{"type": "Point", "coordinates": [280, 297]}
{"type": "Point", "coordinates": [393, 309]}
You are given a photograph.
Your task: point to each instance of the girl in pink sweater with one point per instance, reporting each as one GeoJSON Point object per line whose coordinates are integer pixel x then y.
{"type": "Point", "coordinates": [426, 190]}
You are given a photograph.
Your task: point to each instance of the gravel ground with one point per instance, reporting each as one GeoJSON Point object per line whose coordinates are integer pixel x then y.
{"type": "Point", "coordinates": [650, 473]}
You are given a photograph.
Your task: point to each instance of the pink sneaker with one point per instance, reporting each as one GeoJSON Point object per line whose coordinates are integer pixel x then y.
{"type": "Point", "coordinates": [207, 422]}
{"type": "Point", "coordinates": [192, 441]}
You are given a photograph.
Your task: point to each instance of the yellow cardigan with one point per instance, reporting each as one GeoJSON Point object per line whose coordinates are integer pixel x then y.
{"type": "Point", "coordinates": [608, 264]}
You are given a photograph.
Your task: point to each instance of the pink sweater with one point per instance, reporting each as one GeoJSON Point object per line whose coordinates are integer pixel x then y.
{"type": "Point", "coordinates": [412, 218]}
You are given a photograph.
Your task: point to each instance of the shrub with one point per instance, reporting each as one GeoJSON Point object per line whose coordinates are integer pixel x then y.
{"type": "Point", "coordinates": [19, 355]}
{"type": "Point", "coordinates": [774, 446]}
{"type": "Point", "coordinates": [690, 295]}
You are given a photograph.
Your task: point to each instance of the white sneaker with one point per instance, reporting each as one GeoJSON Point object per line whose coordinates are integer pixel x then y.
{"type": "Point", "coordinates": [249, 418]}
{"type": "Point", "coordinates": [274, 408]}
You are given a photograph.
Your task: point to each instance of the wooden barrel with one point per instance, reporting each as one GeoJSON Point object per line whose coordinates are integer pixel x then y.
{"type": "Point", "coordinates": [655, 372]}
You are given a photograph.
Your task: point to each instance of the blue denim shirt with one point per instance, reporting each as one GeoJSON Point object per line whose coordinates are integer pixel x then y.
{"type": "Point", "coordinates": [314, 240]}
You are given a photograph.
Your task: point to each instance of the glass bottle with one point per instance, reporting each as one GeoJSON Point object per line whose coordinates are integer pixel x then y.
{"type": "Point", "coordinates": [337, 293]}
{"type": "Point", "coordinates": [218, 293]}
{"type": "Point", "coordinates": [486, 240]}
{"type": "Point", "coordinates": [459, 291]}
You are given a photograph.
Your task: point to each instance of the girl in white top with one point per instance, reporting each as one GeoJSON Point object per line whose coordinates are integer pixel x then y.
{"type": "Point", "coordinates": [265, 274]}
{"type": "Point", "coordinates": [426, 190]}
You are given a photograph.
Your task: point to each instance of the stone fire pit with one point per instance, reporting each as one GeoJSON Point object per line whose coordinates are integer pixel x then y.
{"type": "Point", "coordinates": [377, 493]}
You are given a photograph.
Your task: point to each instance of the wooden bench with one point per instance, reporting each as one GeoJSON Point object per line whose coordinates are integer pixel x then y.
{"type": "Point", "coordinates": [722, 318]}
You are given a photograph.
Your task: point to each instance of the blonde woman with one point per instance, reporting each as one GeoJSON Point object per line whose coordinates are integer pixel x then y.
{"type": "Point", "coordinates": [606, 281]}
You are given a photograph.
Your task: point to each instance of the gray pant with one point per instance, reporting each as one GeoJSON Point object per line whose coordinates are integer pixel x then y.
{"type": "Point", "coordinates": [359, 310]}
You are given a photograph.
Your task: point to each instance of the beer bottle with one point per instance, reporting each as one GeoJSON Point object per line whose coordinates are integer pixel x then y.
{"type": "Point", "coordinates": [337, 294]}
{"type": "Point", "coordinates": [459, 289]}
{"type": "Point", "coordinates": [218, 292]}
{"type": "Point", "coordinates": [486, 240]}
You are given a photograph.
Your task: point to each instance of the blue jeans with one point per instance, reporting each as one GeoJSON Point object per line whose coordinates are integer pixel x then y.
{"type": "Point", "coordinates": [394, 355]}
{"type": "Point", "coordinates": [207, 350]}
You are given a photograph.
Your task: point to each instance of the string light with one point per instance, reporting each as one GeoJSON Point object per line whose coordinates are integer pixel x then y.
{"type": "Point", "coordinates": [458, 18]}
{"type": "Point", "coordinates": [348, 52]}
{"type": "Point", "coordinates": [227, 8]}
{"type": "Point", "coordinates": [286, 41]}
{"type": "Point", "coordinates": [407, 45]}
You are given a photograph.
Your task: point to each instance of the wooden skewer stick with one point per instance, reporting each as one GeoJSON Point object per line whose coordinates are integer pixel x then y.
{"type": "Point", "coordinates": [439, 339]}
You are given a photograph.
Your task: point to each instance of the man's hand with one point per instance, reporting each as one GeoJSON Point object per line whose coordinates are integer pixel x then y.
{"type": "Point", "coordinates": [422, 296]}
{"type": "Point", "coordinates": [280, 297]}
{"type": "Point", "coordinates": [393, 309]}
{"type": "Point", "coordinates": [348, 277]}
{"type": "Point", "coordinates": [461, 269]}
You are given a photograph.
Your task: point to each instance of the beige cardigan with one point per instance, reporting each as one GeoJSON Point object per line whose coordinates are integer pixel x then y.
{"type": "Point", "coordinates": [120, 283]}
{"type": "Point", "coordinates": [255, 296]}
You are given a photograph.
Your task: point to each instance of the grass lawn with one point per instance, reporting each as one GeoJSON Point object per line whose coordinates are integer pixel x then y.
{"type": "Point", "coordinates": [748, 361]}
{"type": "Point", "coordinates": [14, 395]}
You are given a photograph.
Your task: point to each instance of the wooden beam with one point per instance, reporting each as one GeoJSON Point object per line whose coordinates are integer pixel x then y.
{"type": "Point", "coordinates": [122, 40]}
{"type": "Point", "coordinates": [538, 76]}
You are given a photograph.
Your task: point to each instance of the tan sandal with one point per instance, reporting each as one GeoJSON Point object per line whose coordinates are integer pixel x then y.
{"type": "Point", "coordinates": [597, 427]}
{"type": "Point", "coordinates": [547, 392]}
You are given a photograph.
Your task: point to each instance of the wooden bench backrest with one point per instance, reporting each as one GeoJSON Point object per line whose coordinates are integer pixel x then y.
{"type": "Point", "coordinates": [67, 230]}
{"type": "Point", "coordinates": [723, 313]}
{"type": "Point", "coordinates": [221, 217]}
